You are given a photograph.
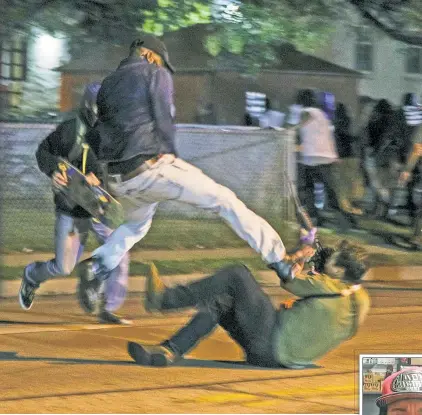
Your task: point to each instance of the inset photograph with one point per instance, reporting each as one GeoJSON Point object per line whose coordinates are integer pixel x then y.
{"type": "Point", "coordinates": [391, 385]}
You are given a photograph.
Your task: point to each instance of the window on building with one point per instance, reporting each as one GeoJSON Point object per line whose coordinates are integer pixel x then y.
{"type": "Point", "coordinates": [13, 62]}
{"type": "Point", "coordinates": [13, 66]}
{"type": "Point", "coordinates": [414, 60]}
{"type": "Point", "coordinates": [364, 49]}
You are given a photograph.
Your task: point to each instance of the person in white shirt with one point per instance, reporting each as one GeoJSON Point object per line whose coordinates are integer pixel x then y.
{"type": "Point", "coordinates": [318, 152]}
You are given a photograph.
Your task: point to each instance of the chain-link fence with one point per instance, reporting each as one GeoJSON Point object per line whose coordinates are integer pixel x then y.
{"type": "Point", "coordinates": [249, 161]}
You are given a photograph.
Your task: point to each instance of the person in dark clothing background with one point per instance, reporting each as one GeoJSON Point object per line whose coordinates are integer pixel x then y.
{"type": "Point", "coordinates": [379, 125]}
{"type": "Point", "coordinates": [408, 118]}
{"type": "Point", "coordinates": [407, 121]}
{"type": "Point", "coordinates": [344, 140]}
{"type": "Point", "coordinates": [69, 141]}
{"type": "Point", "coordinates": [348, 165]}
{"type": "Point", "coordinates": [380, 155]}
{"type": "Point", "coordinates": [412, 177]}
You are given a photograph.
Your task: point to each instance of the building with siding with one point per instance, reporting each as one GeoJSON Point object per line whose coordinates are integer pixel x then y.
{"type": "Point", "coordinates": [389, 68]}
{"type": "Point", "coordinates": [204, 84]}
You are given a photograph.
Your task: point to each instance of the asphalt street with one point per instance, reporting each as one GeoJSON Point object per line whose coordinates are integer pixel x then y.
{"type": "Point", "coordinates": [56, 359]}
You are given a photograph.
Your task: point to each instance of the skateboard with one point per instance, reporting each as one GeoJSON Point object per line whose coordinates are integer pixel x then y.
{"type": "Point", "coordinates": [94, 199]}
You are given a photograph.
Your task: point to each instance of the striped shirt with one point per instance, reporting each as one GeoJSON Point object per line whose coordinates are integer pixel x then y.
{"type": "Point", "coordinates": [413, 115]}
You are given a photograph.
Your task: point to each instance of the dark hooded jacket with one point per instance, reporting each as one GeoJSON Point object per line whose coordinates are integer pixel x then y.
{"type": "Point", "coordinates": [135, 112]}
{"type": "Point", "coordinates": [63, 143]}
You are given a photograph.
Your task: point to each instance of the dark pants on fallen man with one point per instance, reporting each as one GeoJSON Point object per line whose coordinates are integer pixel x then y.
{"type": "Point", "coordinates": [232, 299]}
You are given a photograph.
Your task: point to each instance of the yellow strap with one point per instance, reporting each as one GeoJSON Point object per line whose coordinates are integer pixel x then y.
{"type": "Point", "coordinates": [84, 156]}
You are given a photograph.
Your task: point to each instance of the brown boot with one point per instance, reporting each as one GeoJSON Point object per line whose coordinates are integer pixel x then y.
{"type": "Point", "coordinates": [155, 288]}
{"type": "Point", "coordinates": [348, 208]}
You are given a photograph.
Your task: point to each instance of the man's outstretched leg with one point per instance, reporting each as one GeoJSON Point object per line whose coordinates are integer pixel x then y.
{"type": "Point", "coordinates": [173, 349]}
{"type": "Point", "coordinates": [231, 298]}
{"type": "Point", "coordinates": [171, 178]}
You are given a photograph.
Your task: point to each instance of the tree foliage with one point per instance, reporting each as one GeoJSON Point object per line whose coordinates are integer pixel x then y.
{"type": "Point", "coordinates": [248, 28]}
{"type": "Point", "coordinates": [400, 19]}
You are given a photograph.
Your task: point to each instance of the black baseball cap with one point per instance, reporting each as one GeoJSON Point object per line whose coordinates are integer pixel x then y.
{"type": "Point", "coordinates": [156, 45]}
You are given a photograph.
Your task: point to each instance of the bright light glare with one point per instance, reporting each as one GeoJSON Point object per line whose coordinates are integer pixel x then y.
{"type": "Point", "coordinates": [228, 10]}
{"type": "Point", "coordinates": [231, 8]}
{"type": "Point", "coordinates": [232, 13]}
{"type": "Point", "coordinates": [48, 50]}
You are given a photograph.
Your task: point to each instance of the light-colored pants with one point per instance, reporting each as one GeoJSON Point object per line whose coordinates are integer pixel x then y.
{"type": "Point", "coordinates": [382, 179]}
{"type": "Point", "coordinates": [171, 178]}
{"type": "Point", "coordinates": [69, 241]}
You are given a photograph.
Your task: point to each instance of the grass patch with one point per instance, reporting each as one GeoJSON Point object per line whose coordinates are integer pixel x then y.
{"type": "Point", "coordinates": [207, 266]}
{"type": "Point", "coordinates": [34, 229]}
{"type": "Point", "coordinates": [203, 266]}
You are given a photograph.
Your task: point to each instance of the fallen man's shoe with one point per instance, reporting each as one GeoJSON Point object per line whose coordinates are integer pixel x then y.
{"type": "Point", "coordinates": [158, 356]}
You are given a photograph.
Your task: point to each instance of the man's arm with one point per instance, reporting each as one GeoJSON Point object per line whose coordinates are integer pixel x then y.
{"type": "Point", "coordinates": [47, 153]}
{"type": "Point", "coordinates": [303, 286]}
{"type": "Point", "coordinates": [162, 105]}
{"type": "Point", "coordinates": [305, 117]}
{"type": "Point", "coordinates": [413, 157]}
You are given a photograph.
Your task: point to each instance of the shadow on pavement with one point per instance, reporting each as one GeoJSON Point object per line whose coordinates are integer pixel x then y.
{"type": "Point", "coordinates": [230, 364]}
{"type": "Point", "coordinates": [221, 364]}
{"type": "Point", "coordinates": [13, 357]}
{"type": "Point", "coordinates": [214, 364]}
{"type": "Point", "coordinates": [40, 323]}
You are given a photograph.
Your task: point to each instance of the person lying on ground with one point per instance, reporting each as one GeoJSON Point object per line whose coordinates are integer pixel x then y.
{"type": "Point", "coordinates": [331, 305]}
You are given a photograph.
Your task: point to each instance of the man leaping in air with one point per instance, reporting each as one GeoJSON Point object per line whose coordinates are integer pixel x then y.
{"type": "Point", "coordinates": [135, 123]}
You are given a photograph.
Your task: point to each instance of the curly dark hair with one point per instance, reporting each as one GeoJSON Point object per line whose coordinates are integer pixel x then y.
{"type": "Point", "coordinates": [321, 257]}
{"type": "Point", "coordinates": [353, 259]}
{"type": "Point", "coordinates": [350, 257]}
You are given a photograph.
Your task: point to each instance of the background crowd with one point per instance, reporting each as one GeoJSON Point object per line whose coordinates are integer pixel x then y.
{"type": "Point", "coordinates": [366, 166]}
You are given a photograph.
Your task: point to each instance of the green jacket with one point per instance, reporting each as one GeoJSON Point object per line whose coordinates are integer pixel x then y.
{"type": "Point", "coordinates": [314, 326]}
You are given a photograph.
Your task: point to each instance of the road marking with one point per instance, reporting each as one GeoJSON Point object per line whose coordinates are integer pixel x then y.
{"type": "Point", "coordinates": [41, 329]}
{"type": "Point", "coordinates": [262, 403]}
{"type": "Point", "coordinates": [348, 387]}
{"type": "Point", "coordinates": [181, 386]}
{"type": "Point", "coordinates": [28, 328]}
{"type": "Point", "coordinates": [226, 397]}
{"type": "Point", "coordinates": [266, 398]}
{"type": "Point", "coordinates": [271, 402]}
